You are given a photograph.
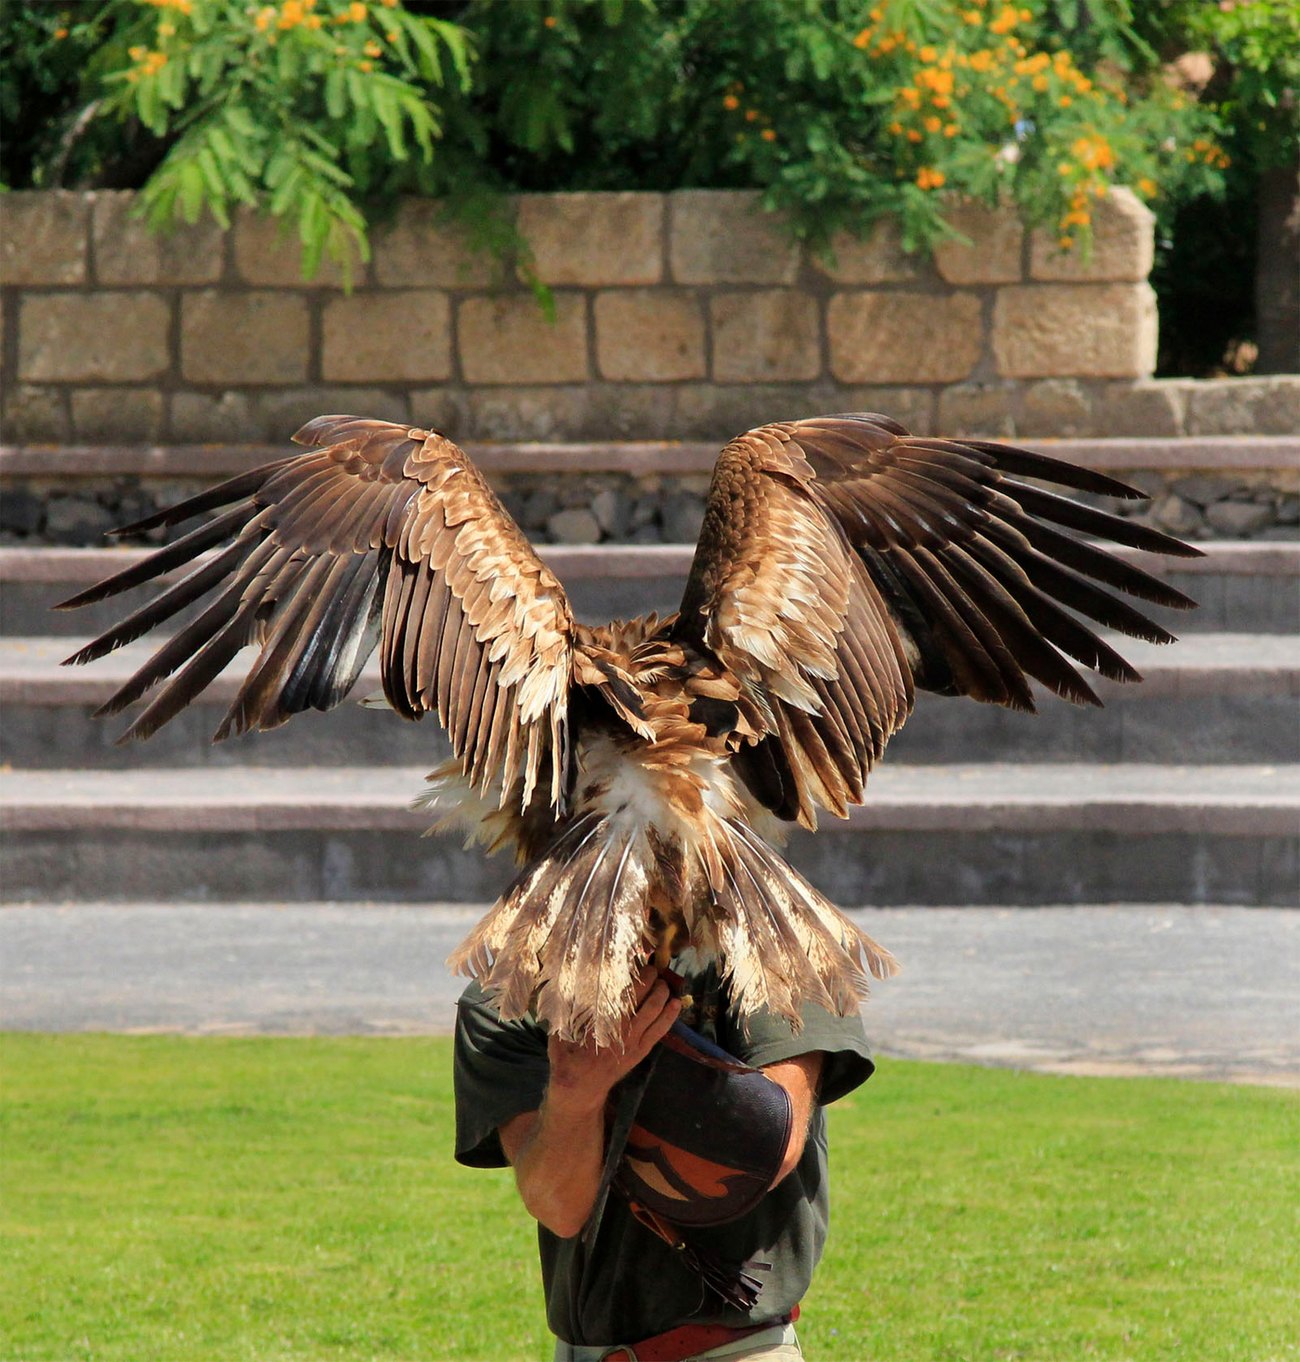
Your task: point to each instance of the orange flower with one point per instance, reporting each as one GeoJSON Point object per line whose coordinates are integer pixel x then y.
{"type": "Point", "coordinates": [372, 49]}
{"type": "Point", "coordinates": [751, 115]}
{"type": "Point", "coordinates": [730, 102]}
{"type": "Point", "coordinates": [1147, 187]}
{"type": "Point", "coordinates": [60, 34]}
{"type": "Point", "coordinates": [768, 135]}
{"type": "Point", "coordinates": [932, 124]}
{"type": "Point", "coordinates": [357, 12]}
{"type": "Point", "coordinates": [550, 21]}
{"type": "Point", "coordinates": [927, 178]}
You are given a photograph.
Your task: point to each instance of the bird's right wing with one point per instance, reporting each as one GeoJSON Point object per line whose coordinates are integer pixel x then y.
{"type": "Point", "coordinates": [379, 535]}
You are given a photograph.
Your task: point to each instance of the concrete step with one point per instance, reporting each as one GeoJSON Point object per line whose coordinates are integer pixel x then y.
{"type": "Point", "coordinates": [1242, 586]}
{"type": "Point", "coordinates": [978, 834]}
{"type": "Point", "coordinates": [1210, 698]}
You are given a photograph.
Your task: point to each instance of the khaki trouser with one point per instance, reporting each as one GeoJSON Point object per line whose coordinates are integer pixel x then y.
{"type": "Point", "coordinates": [777, 1344]}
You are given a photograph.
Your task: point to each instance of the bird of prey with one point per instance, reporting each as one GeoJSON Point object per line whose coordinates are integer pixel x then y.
{"type": "Point", "coordinates": [642, 771]}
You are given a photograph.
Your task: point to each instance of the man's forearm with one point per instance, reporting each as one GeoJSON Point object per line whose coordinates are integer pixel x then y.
{"type": "Point", "coordinates": [558, 1164]}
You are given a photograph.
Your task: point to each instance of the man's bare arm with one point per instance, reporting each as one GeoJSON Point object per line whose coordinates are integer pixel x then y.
{"type": "Point", "coordinates": [799, 1077]}
{"type": "Point", "coordinates": [558, 1151]}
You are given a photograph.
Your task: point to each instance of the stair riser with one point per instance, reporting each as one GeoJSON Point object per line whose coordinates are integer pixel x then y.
{"type": "Point", "coordinates": [1132, 727]}
{"type": "Point", "coordinates": [853, 868]}
{"type": "Point", "coordinates": [27, 608]}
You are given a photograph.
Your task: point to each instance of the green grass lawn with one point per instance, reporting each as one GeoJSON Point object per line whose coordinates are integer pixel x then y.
{"type": "Point", "coordinates": [209, 1200]}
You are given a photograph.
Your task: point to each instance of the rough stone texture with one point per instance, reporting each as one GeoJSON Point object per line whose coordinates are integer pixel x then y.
{"type": "Point", "coordinates": [126, 415]}
{"type": "Point", "coordinates": [649, 335]}
{"type": "Point", "coordinates": [1123, 244]}
{"type": "Point", "coordinates": [594, 239]}
{"type": "Point", "coordinates": [508, 340]}
{"type": "Point", "coordinates": [903, 337]}
{"type": "Point", "coordinates": [127, 251]}
{"type": "Point", "coordinates": [708, 412]}
{"type": "Point", "coordinates": [1204, 488]}
{"type": "Point", "coordinates": [1238, 519]}
{"type": "Point", "coordinates": [721, 236]}
{"type": "Point", "coordinates": [95, 337]}
{"type": "Point", "coordinates": [247, 337]}
{"type": "Point", "coordinates": [267, 252]}
{"type": "Point", "coordinates": [1147, 407]}
{"type": "Point", "coordinates": [877, 258]}
{"type": "Point", "coordinates": [996, 246]}
{"type": "Point", "coordinates": [591, 411]}
{"type": "Point", "coordinates": [1057, 407]}
{"type": "Point", "coordinates": [203, 418]}
{"type": "Point", "coordinates": [1175, 514]}
{"type": "Point", "coordinates": [763, 336]}
{"type": "Point", "coordinates": [911, 407]}
{"type": "Point", "coordinates": [397, 336]}
{"type": "Point", "coordinates": [1079, 330]}
{"type": "Point", "coordinates": [575, 526]}
{"type": "Point", "coordinates": [1255, 406]}
{"type": "Point", "coordinates": [35, 415]}
{"type": "Point", "coordinates": [977, 409]}
{"type": "Point", "coordinates": [280, 413]}
{"type": "Point", "coordinates": [419, 249]}
{"type": "Point", "coordinates": [43, 237]}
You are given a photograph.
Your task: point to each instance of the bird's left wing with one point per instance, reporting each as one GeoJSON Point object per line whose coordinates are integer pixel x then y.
{"type": "Point", "coordinates": [844, 561]}
{"type": "Point", "coordinates": [379, 535]}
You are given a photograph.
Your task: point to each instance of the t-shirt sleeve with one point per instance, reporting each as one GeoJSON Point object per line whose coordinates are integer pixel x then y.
{"type": "Point", "coordinates": [842, 1040]}
{"type": "Point", "coordinates": [499, 1070]}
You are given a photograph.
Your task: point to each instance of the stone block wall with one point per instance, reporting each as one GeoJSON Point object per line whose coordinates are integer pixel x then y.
{"type": "Point", "coordinates": [685, 315]}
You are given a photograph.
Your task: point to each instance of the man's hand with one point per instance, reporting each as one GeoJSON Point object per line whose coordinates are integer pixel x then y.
{"type": "Point", "coordinates": [558, 1152]}
{"type": "Point", "coordinates": [583, 1076]}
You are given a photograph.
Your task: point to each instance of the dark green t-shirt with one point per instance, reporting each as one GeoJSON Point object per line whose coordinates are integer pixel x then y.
{"type": "Point", "coordinates": [628, 1284]}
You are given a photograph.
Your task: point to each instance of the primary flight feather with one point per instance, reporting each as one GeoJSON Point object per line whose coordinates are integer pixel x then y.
{"type": "Point", "coordinates": [641, 771]}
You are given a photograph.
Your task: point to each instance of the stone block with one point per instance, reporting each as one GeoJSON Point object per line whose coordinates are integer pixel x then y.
{"type": "Point", "coordinates": [1123, 244]}
{"type": "Point", "coordinates": [395, 336]}
{"type": "Point", "coordinates": [993, 256]}
{"type": "Point", "coordinates": [649, 335]}
{"type": "Point", "coordinates": [1075, 330]}
{"type": "Point", "coordinates": [268, 252]}
{"type": "Point", "coordinates": [1055, 408]}
{"type": "Point", "coordinates": [759, 337]}
{"type": "Point", "coordinates": [877, 258]}
{"type": "Point", "coordinates": [35, 415]}
{"type": "Point", "coordinates": [421, 249]}
{"type": "Point", "coordinates": [1245, 406]}
{"type": "Point", "coordinates": [127, 251]}
{"type": "Point", "coordinates": [588, 411]}
{"type": "Point", "coordinates": [904, 337]}
{"type": "Point", "coordinates": [95, 337]}
{"type": "Point", "coordinates": [43, 235]}
{"type": "Point", "coordinates": [280, 414]}
{"type": "Point", "coordinates": [706, 411]}
{"type": "Point", "coordinates": [213, 418]}
{"type": "Point", "coordinates": [1150, 407]}
{"type": "Point", "coordinates": [724, 236]}
{"type": "Point", "coordinates": [1238, 519]}
{"type": "Point", "coordinates": [508, 340]}
{"type": "Point", "coordinates": [574, 526]}
{"type": "Point", "coordinates": [117, 415]}
{"type": "Point", "coordinates": [977, 409]}
{"type": "Point", "coordinates": [910, 407]}
{"type": "Point", "coordinates": [594, 239]}
{"type": "Point", "coordinates": [245, 337]}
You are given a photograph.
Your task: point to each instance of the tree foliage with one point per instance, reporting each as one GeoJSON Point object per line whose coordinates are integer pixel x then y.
{"type": "Point", "coordinates": [323, 111]}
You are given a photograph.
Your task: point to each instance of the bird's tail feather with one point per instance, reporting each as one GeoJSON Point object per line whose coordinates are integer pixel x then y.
{"type": "Point", "coordinates": [781, 943]}
{"type": "Point", "coordinates": [569, 935]}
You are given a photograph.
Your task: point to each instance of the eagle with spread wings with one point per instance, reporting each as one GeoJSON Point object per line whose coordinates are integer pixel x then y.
{"type": "Point", "coordinates": [643, 772]}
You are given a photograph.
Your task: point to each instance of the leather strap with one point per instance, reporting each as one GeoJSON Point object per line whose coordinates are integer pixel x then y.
{"type": "Point", "coordinates": [690, 1340]}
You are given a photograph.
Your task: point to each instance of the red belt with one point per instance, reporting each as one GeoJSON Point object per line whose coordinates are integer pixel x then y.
{"type": "Point", "coordinates": [691, 1339]}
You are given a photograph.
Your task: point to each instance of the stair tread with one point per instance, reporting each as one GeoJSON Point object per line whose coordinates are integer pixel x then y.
{"type": "Point", "coordinates": [30, 670]}
{"type": "Point", "coordinates": [1130, 797]}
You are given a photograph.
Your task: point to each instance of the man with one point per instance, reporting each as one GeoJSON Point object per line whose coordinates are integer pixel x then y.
{"type": "Point", "coordinates": [540, 1105]}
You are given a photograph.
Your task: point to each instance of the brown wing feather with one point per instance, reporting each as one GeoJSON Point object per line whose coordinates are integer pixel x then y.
{"type": "Point", "coordinates": [844, 560]}
{"type": "Point", "coordinates": [378, 535]}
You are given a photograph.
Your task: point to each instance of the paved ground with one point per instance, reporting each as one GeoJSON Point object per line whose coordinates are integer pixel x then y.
{"type": "Point", "coordinates": [1200, 992]}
